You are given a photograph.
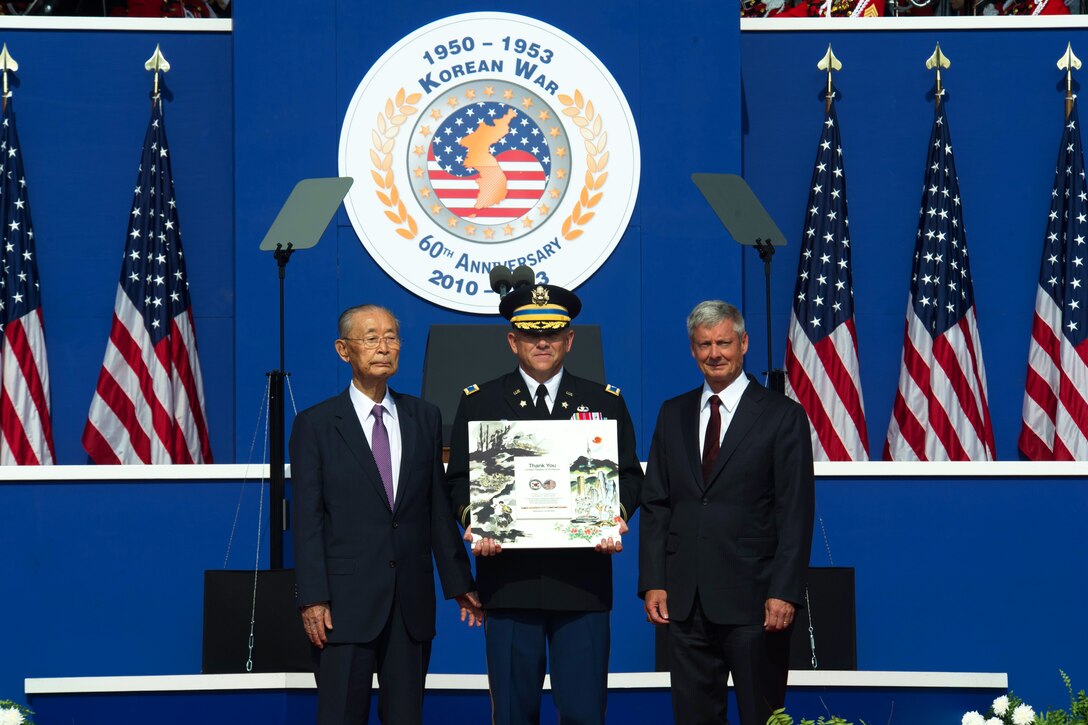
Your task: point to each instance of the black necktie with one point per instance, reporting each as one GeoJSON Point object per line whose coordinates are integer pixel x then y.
{"type": "Point", "coordinates": [713, 440]}
{"type": "Point", "coordinates": [541, 405]}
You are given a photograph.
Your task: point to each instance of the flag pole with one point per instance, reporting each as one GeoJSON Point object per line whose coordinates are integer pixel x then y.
{"type": "Point", "coordinates": [830, 64]}
{"type": "Point", "coordinates": [7, 63]}
{"type": "Point", "coordinates": [156, 63]}
{"type": "Point", "coordinates": [937, 61]}
{"type": "Point", "coordinates": [1068, 63]}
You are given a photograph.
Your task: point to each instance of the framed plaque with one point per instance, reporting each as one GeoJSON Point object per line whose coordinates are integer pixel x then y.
{"type": "Point", "coordinates": [537, 484]}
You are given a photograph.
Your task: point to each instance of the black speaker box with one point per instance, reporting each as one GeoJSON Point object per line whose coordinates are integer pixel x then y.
{"type": "Point", "coordinates": [279, 642]}
{"type": "Point", "coordinates": [834, 625]}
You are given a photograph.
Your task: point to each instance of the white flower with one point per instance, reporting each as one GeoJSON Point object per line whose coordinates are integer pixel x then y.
{"type": "Point", "coordinates": [11, 716]}
{"type": "Point", "coordinates": [994, 721]}
{"type": "Point", "coordinates": [973, 718]}
{"type": "Point", "coordinates": [1001, 705]}
{"type": "Point", "coordinates": [1023, 715]}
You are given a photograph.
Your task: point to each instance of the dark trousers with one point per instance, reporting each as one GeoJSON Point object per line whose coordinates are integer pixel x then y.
{"type": "Point", "coordinates": [345, 672]}
{"type": "Point", "coordinates": [703, 654]}
{"type": "Point", "coordinates": [523, 643]}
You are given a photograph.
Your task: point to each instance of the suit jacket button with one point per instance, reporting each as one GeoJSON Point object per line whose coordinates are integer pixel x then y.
{"type": "Point", "coordinates": [392, 564]}
{"type": "Point", "coordinates": [395, 524]}
{"type": "Point", "coordinates": [705, 502]}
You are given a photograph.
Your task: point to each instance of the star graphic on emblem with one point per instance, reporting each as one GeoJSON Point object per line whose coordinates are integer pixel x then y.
{"type": "Point", "coordinates": [564, 404]}
{"type": "Point", "coordinates": [523, 404]}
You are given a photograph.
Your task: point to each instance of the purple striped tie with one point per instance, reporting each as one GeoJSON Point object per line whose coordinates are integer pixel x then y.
{"type": "Point", "coordinates": [379, 445]}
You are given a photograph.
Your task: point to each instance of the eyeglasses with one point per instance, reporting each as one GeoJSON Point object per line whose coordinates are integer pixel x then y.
{"type": "Point", "coordinates": [372, 343]}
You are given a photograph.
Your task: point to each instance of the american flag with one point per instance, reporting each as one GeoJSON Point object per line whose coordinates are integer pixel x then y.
{"type": "Point", "coordinates": [149, 403]}
{"type": "Point", "coordinates": [523, 155]}
{"type": "Point", "coordinates": [27, 431]}
{"type": "Point", "coordinates": [822, 371]}
{"type": "Point", "coordinates": [1056, 393]}
{"type": "Point", "coordinates": [940, 411]}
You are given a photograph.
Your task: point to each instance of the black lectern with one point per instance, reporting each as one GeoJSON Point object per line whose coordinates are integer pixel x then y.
{"type": "Point", "coordinates": [459, 355]}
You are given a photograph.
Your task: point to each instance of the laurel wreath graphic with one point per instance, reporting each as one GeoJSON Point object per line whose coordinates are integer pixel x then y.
{"type": "Point", "coordinates": [397, 110]}
{"type": "Point", "coordinates": [588, 121]}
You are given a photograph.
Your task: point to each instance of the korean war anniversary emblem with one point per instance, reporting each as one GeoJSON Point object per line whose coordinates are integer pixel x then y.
{"type": "Point", "coordinates": [485, 139]}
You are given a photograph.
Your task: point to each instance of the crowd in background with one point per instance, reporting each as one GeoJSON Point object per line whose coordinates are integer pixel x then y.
{"type": "Point", "coordinates": [120, 8]}
{"type": "Point", "coordinates": [906, 8]}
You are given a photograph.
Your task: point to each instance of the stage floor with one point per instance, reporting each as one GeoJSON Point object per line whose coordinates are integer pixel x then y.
{"type": "Point", "coordinates": [636, 697]}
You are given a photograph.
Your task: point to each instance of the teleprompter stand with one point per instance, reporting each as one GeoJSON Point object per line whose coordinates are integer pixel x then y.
{"type": "Point", "coordinates": [749, 223]}
{"type": "Point", "coordinates": [250, 617]}
{"type": "Point", "coordinates": [299, 225]}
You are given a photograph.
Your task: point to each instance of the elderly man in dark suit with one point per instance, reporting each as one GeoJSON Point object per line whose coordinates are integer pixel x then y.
{"type": "Point", "coordinates": [370, 510]}
{"type": "Point", "coordinates": [545, 607]}
{"type": "Point", "coordinates": [726, 530]}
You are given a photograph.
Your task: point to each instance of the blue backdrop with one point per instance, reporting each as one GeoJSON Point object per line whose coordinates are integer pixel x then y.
{"type": "Point", "coordinates": [1006, 114]}
{"type": "Point", "coordinates": [82, 101]}
{"type": "Point", "coordinates": [952, 575]}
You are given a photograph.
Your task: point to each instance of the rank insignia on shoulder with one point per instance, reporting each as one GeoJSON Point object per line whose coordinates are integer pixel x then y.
{"type": "Point", "coordinates": [474, 388]}
{"type": "Point", "coordinates": [612, 389]}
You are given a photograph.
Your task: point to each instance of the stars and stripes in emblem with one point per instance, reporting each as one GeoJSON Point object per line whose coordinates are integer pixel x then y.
{"type": "Point", "coordinates": [522, 153]}
{"type": "Point", "coordinates": [148, 406]}
{"type": "Point", "coordinates": [822, 371]}
{"type": "Point", "coordinates": [25, 424]}
{"type": "Point", "coordinates": [1055, 412]}
{"type": "Point", "coordinates": [940, 411]}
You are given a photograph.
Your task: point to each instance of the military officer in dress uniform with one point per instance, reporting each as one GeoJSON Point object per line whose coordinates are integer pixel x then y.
{"type": "Point", "coordinates": [545, 608]}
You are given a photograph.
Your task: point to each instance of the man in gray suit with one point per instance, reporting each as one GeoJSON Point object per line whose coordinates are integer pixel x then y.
{"type": "Point", "coordinates": [726, 528]}
{"type": "Point", "coordinates": [370, 510]}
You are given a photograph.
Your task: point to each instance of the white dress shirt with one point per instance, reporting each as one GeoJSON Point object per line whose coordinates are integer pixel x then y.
{"type": "Point", "coordinates": [364, 408]}
{"type": "Point", "coordinates": [730, 398]}
{"type": "Point", "coordinates": [551, 385]}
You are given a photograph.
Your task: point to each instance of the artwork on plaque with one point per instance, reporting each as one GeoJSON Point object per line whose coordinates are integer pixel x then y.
{"type": "Point", "coordinates": [544, 483]}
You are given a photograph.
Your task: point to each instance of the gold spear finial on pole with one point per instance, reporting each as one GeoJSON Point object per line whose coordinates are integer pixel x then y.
{"type": "Point", "coordinates": [157, 62]}
{"type": "Point", "coordinates": [1068, 63]}
{"type": "Point", "coordinates": [830, 64]}
{"type": "Point", "coordinates": [938, 60]}
{"type": "Point", "coordinates": [7, 63]}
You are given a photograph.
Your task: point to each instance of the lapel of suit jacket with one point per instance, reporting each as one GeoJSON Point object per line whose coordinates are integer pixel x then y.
{"type": "Point", "coordinates": [745, 416]}
{"type": "Point", "coordinates": [349, 428]}
{"type": "Point", "coordinates": [689, 431]}
{"type": "Point", "coordinates": [518, 397]}
{"type": "Point", "coordinates": [406, 421]}
{"type": "Point", "coordinates": [567, 395]}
